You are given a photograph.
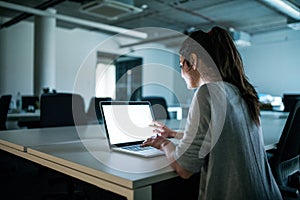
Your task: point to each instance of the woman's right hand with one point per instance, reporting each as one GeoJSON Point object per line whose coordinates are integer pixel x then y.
{"type": "Point", "coordinates": [163, 130]}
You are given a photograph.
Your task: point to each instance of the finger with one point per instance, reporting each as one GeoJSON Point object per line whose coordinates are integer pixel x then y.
{"type": "Point", "coordinates": [158, 123]}
{"type": "Point", "coordinates": [147, 142]}
{"type": "Point", "coordinates": [148, 139]}
{"type": "Point", "coordinates": [153, 124]}
{"type": "Point", "coordinates": [156, 131]}
{"type": "Point", "coordinates": [144, 144]}
{"type": "Point", "coordinates": [161, 129]}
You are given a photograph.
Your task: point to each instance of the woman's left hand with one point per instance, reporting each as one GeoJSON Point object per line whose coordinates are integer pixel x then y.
{"type": "Point", "coordinates": [156, 141]}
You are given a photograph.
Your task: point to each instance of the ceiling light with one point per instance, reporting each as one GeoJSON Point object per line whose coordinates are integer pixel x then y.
{"type": "Point", "coordinates": [288, 9]}
{"type": "Point", "coordinates": [293, 24]}
{"type": "Point", "coordinates": [240, 38]}
{"type": "Point", "coordinates": [109, 9]}
{"type": "Point", "coordinates": [285, 7]}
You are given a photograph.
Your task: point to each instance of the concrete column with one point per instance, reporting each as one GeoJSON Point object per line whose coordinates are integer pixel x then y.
{"type": "Point", "coordinates": [44, 52]}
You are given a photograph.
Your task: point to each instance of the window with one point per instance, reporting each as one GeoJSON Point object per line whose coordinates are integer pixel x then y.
{"type": "Point", "coordinates": [106, 80]}
{"type": "Point", "coordinates": [118, 77]}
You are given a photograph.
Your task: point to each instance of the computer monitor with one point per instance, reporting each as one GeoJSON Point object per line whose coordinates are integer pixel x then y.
{"type": "Point", "coordinates": [289, 101]}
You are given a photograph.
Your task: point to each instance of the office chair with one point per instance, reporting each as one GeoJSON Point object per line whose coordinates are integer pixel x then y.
{"type": "Point", "coordinates": [289, 101]}
{"type": "Point", "coordinates": [93, 112]}
{"type": "Point", "coordinates": [28, 101]}
{"type": "Point", "coordinates": [159, 107]}
{"type": "Point", "coordinates": [62, 109]}
{"type": "Point", "coordinates": [4, 107]}
{"type": "Point", "coordinates": [29, 104]}
{"type": "Point", "coordinates": [285, 159]}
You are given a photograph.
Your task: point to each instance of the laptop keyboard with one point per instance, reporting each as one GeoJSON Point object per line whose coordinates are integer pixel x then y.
{"type": "Point", "coordinates": [137, 148]}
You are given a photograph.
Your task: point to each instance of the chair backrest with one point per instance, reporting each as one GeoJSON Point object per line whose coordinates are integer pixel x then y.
{"type": "Point", "coordinates": [289, 101]}
{"type": "Point", "coordinates": [286, 159]}
{"type": "Point", "coordinates": [159, 107]}
{"type": "Point", "coordinates": [62, 109]}
{"type": "Point", "coordinates": [93, 112]}
{"type": "Point", "coordinates": [4, 107]}
{"type": "Point", "coordinates": [30, 101]}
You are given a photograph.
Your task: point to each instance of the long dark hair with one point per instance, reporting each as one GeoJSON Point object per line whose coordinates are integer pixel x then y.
{"type": "Point", "coordinates": [220, 46]}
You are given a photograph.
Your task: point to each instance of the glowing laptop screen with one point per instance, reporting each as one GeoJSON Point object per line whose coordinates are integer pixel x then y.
{"type": "Point", "coordinates": [127, 123]}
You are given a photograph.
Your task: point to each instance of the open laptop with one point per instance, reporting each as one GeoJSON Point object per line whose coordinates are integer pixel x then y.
{"type": "Point", "coordinates": [127, 126]}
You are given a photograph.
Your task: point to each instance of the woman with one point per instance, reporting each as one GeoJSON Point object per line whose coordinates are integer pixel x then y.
{"type": "Point", "coordinates": [222, 138]}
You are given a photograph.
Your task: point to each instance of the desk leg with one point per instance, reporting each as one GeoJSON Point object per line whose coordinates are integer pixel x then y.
{"type": "Point", "coordinates": [144, 193]}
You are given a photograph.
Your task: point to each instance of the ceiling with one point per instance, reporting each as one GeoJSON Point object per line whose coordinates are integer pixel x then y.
{"type": "Point", "coordinates": [251, 16]}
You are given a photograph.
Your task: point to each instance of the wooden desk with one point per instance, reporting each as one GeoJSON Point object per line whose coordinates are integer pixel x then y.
{"type": "Point", "coordinates": [15, 116]}
{"type": "Point", "coordinates": [82, 152]}
{"type": "Point", "coordinates": [272, 126]}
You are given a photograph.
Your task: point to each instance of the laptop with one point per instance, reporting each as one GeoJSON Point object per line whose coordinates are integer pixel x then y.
{"type": "Point", "coordinates": [127, 126]}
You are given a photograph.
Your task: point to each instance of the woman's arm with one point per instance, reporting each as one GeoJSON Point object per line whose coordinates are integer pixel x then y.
{"type": "Point", "coordinates": [168, 147]}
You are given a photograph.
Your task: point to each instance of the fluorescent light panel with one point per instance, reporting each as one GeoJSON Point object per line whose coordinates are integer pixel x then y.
{"type": "Point", "coordinates": [285, 7]}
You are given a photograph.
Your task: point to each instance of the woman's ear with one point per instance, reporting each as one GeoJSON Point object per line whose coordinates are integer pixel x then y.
{"type": "Point", "coordinates": [193, 59]}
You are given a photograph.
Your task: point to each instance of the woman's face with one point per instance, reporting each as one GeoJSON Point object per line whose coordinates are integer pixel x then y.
{"type": "Point", "coordinates": [189, 73]}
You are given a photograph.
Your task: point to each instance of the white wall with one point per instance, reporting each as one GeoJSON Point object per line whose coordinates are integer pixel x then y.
{"type": "Point", "coordinates": [17, 53]}
{"type": "Point", "coordinates": [16, 59]}
{"type": "Point", "coordinates": [161, 74]}
{"type": "Point", "coordinates": [73, 46]}
{"type": "Point", "coordinates": [272, 63]}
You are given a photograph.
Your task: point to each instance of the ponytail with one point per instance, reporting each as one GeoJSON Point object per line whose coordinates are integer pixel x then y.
{"type": "Point", "coordinates": [229, 62]}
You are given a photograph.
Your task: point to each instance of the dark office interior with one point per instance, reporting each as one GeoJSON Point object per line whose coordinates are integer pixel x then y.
{"type": "Point", "coordinates": [59, 59]}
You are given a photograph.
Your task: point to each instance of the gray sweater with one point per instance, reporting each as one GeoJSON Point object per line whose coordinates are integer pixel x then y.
{"type": "Point", "coordinates": [223, 143]}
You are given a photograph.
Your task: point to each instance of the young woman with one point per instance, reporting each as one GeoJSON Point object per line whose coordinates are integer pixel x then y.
{"type": "Point", "coordinates": [222, 137]}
